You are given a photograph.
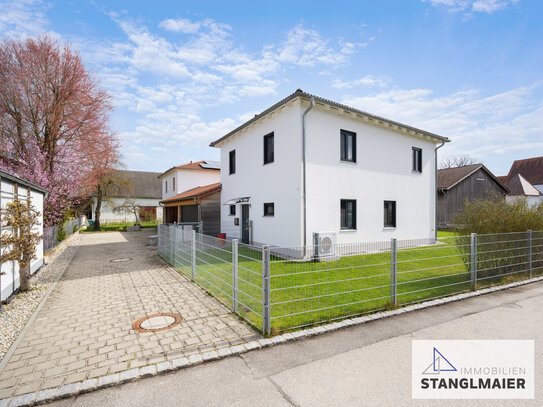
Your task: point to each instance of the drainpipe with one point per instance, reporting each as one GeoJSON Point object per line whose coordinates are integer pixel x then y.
{"type": "Point", "coordinates": [311, 104]}
{"type": "Point", "coordinates": [435, 186]}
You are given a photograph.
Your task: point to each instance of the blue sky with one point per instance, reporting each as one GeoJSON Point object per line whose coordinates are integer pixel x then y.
{"type": "Point", "coordinates": [185, 73]}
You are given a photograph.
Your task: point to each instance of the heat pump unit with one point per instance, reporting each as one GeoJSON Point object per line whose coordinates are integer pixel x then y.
{"type": "Point", "coordinates": [325, 246]}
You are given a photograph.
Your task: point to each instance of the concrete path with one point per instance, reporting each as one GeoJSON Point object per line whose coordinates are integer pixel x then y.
{"type": "Point", "coordinates": [365, 365]}
{"type": "Point", "coordinates": [84, 329]}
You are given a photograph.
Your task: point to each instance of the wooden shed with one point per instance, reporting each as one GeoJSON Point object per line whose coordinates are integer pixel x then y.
{"type": "Point", "coordinates": [200, 204]}
{"type": "Point", "coordinates": [457, 185]}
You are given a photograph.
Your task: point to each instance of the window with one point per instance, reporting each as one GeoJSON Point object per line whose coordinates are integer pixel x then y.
{"type": "Point", "coordinates": [268, 148]}
{"type": "Point", "coordinates": [166, 186]}
{"type": "Point", "coordinates": [417, 159]}
{"type": "Point", "coordinates": [232, 210]}
{"type": "Point", "coordinates": [390, 214]}
{"type": "Point", "coordinates": [348, 146]}
{"type": "Point", "coordinates": [348, 214]}
{"type": "Point", "coordinates": [173, 184]}
{"type": "Point", "coordinates": [232, 162]}
{"type": "Point", "coordinates": [269, 209]}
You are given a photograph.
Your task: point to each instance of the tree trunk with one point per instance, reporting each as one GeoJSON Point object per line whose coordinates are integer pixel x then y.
{"type": "Point", "coordinates": [24, 277]}
{"type": "Point", "coordinates": [98, 206]}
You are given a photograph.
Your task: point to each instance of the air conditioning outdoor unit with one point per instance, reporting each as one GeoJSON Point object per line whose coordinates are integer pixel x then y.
{"type": "Point", "coordinates": [325, 246]}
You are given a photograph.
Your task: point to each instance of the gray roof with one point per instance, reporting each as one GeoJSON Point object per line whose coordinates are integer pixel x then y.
{"type": "Point", "coordinates": [143, 184]}
{"type": "Point", "coordinates": [302, 94]}
{"type": "Point", "coordinates": [20, 181]}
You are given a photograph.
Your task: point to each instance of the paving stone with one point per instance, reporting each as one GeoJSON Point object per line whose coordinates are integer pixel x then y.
{"type": "Point", "coordinates": [68, 390]}
{"type": "Point", "coordinates": [164, 367]}
{"type": "Point", "coordinates": [23, 400]}
{"type": "Point", "coordinates": [74, 337]}
{"type": "Point", "coordinates": [88, 385]}
{"type": "Point", "coordinates": [195, 359]}
{"type": "Point", "coordinates": [147, 371]}
{"type": "Point", "coordinates": [107, 381]}
{"type": "Point", "coordinates": [45, 396]}
{"type": "Point", "coordinates": [210, 356]}
{"type": "Point", "coordinates": [180, 363]}
{"type": "Point", "coordinates": [128, 375]}
{"type": "Point", "coordinates": [278, 340]}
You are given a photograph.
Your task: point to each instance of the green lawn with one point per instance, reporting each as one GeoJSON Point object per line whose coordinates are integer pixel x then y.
{"type": "Point", "coordinates": [307, 293]}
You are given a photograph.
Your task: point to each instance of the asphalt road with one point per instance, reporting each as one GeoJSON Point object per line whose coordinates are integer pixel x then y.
{"type": "Point", "coordinates": [367, 365]}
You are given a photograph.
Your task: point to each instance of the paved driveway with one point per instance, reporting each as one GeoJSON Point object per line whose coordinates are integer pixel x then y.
{"type": "Point", "coordinates": [365, 365]}
{"type": "Point", "coordinates": [84, 329]}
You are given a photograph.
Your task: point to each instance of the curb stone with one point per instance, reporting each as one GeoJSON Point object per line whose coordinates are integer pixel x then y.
{"type": "Point", "coordinates": [48, 395]}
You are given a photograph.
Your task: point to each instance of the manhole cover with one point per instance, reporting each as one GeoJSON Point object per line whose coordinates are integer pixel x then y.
{"type": "Point", "coordinates": [120, 260]}
{"type": "Point", "coordinates": [157, 322]}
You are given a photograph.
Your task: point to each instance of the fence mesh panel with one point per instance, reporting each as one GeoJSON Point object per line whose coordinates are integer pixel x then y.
{"type": "Point", "coordinates": [315, 284]}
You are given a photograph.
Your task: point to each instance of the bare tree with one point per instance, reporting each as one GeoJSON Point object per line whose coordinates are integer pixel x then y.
{"type": "Point", "coordinates": [129, 207]}
{"type": "Point", "coordinates": [111, 184]}
{"type": "Point", "coordinates": [456, 161]}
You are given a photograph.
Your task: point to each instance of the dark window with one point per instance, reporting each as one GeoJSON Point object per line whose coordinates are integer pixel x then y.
{"type": "Point", "coordinates": [166, 186]}
{"type": "Point", "coordinates": [232, 210]}
{"type": "Point", "coordinates": [390, 214]}
{"type": "Point", "coordinates": [417, 159]}
{"type": "Point", "coordinates": [232, 162]}
{"type": "Point", "coordinates": [269, 209]}
{"type": "Point", "coordinates": [348, 146]}
{"type": "Point", "coordinates": [173, 184]}
{"type": "Point", "coordinates": [268, 148]}
{"type": "Point", "coordinates": [348, 214]}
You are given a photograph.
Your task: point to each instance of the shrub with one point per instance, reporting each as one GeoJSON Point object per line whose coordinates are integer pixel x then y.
{"type": "Point", "coordinates": [502, 242]}
{"type": "Point", "coordinates": [61, 234]}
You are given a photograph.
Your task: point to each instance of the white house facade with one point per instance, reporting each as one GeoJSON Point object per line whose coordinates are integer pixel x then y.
{"type": "Point", "coordinates": [178, 181]}
{"type": "Point", "coordinates": [12, 187]}
{"type": "Point", "coordinates": [366, 178]}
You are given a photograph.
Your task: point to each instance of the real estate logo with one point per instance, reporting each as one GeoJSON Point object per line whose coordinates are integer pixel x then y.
{"type": "Point", "coordinates": [469, 369]}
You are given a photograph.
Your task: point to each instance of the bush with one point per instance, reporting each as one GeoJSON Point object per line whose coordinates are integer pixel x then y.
{"type": "Point", "coordinates": [502, 242]}
{"type": "Point", "coordinates": [74, 229]}
{"type": "Point", "coordinates": [61, 234]}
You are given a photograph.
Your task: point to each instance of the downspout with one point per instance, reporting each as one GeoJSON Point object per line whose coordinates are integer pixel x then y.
{"type": "Point", "coordinates": [435, 186]}
{"type": "Point", "coordinates": [311, 104]}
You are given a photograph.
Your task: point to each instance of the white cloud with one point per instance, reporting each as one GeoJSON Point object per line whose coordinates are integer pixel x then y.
{"type": "Point", "coordinates": [307, 47]}
{"type": "Point", "coordinates": [23, 18]}
{"type": "Point", "coordinates": [181, 25]}
{"type": "Point", "coordinates": [478, 125]}
{"type": "Point", "coordinates": [475, 6]}
{"type": "Point", "coordinates": [368, 80]}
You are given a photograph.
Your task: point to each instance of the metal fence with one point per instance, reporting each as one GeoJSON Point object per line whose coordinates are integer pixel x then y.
{"type": "Point", "coordinates": [283, 288]}
{"type": "Point", "coordinates": [50, 233]}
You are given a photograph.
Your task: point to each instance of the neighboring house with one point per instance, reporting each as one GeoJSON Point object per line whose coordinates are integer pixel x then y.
{"type": "Point", "coordinates": [12, 187]}
{"type": "Point", "coordinates": [142, 190]}
{"type": "Point", "coordinates": [520, 188]}
{"type": "Point", "coordinates": [531, 172]}
{"type": "Point", "coordinates": [309, 166]}
{"type": "Point", "coordinates": [460, 184]}
{"type": "Point", "coordinates": [200, 204]}
{"type": "Point", "coordinates": [175, 182]}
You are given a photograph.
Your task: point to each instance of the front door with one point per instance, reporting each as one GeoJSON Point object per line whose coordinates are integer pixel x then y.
{"type": "Point", "coordinates": [245, 224]}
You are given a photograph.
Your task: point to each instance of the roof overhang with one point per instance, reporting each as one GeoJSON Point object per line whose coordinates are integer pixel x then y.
{"type": "Point", "coordinates": [234, 201]}
{"type": "Point", "coordinates": [20, 181]}
{"type": "Point", "coordinates": [365, 116]}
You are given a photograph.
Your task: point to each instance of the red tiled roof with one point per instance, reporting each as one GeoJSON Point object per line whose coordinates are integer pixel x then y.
{"type": "Point", "coordinates": [192, 166]}
{"type": "Point", "coordinates": [197, 192]}
{"type": "Point", "coordinates": [531, 169]}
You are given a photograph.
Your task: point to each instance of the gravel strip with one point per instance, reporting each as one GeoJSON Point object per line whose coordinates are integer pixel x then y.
{"type": "Point", "coordinates": [14, 315]}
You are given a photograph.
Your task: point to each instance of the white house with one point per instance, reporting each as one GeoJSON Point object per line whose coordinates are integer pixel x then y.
{"type": "Point", "coordinates": [142, 191]}
{"type": "Point", "coordinates": [520, 188]}
{"type": "Point", "coordinates": [177, 181]}
{"type": "Point", "coordinates": [12, 187]}
{"type": "Point", "coordinates": [309, 166]}
{"type": "Point", "coordinates": [525, 180]}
